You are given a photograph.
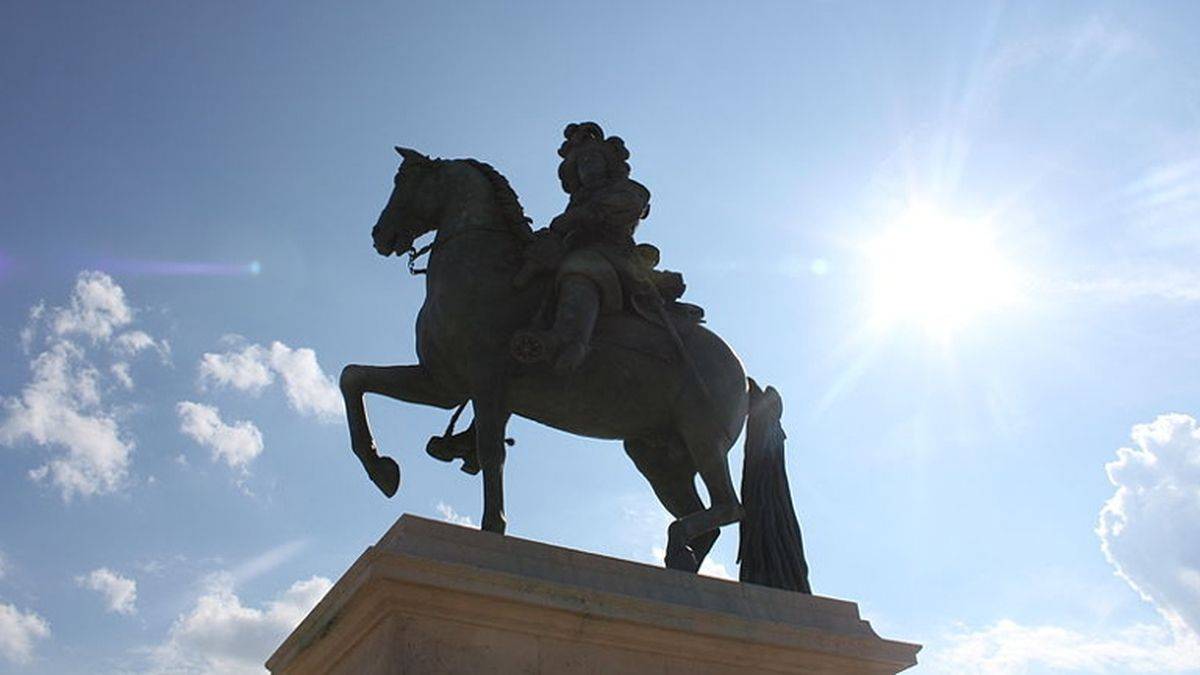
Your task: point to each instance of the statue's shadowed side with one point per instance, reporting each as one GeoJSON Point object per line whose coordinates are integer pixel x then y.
{"type": "Point", "coordinates": [573, 327]}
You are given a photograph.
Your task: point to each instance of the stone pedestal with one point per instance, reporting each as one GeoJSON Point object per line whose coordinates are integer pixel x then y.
{"type": "Point", "coordinates": [432, 597]}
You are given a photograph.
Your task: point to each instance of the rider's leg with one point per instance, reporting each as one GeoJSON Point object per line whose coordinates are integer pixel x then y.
{"type": "Point", "coordinates": [574, 320]}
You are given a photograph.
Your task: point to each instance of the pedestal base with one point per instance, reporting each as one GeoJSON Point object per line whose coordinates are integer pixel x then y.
{"type": "Point", "coordinates": [432, 597]}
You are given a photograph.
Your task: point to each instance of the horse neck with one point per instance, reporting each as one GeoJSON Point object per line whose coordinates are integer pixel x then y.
{"type": "Point", "coordinates": [468, 202]}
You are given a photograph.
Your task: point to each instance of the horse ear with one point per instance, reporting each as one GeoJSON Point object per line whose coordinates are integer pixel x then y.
{"type": "Point", "coordinates": [411, 155]}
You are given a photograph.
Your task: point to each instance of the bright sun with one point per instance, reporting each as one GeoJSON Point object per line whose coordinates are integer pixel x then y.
{"type": "Point", "coordinates": [938, 272]}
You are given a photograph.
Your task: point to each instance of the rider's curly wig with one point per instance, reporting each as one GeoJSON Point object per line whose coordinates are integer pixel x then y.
{"type": "Point", "coordinates": [615, 152]}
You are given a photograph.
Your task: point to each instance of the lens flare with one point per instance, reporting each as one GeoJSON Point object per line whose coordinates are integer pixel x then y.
{"type": "Point", "coordinates": [176, 268]}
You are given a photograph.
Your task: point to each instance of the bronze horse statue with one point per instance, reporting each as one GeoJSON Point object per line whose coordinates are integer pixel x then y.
{"type": "Point", "coordinates": [677, 416]}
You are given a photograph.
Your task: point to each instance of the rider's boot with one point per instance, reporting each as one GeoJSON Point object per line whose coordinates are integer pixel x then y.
{"type": "Point", "coordinates": [457, 446]}
{"type": "Point", "coordinates": [574, 320]}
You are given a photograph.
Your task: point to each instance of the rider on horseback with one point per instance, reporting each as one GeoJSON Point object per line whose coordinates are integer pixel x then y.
{"type": "Point", "coordinates": [590, 246]}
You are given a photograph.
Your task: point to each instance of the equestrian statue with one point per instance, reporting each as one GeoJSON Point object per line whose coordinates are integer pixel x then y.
{"type": "Point", "coordinates": [574, 326]}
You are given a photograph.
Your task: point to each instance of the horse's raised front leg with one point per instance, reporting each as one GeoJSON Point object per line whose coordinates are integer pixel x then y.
{"type": "Point", "coordinates": [491, 418]}
{"type": "Point", "coordinates": [406, 383]}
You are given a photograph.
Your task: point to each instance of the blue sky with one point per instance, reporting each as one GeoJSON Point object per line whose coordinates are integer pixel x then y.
{"type": "Point", "coordinates": [958, 237]}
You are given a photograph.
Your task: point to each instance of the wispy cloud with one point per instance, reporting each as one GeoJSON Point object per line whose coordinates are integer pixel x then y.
{"type": "Point", "coordinates": [1008, 647]}
{"type": "Point", "coordinates": [449, 515]}
{"type": "Point", "coordinates": [219, 633]}
{"type": "Point", "coordinates": [234, 444]}
{"type": "Point", "coordinates": [120, 593]}
{"type": "Point", "coordinates": [1163, 203]}
{"type": "Point", "coordinates": [97, 308]}
{"type": "Point", "coordinates": [19, 630]}
{"type": "Point", "coordinates": [65, 405]}
{"type": "Point", "coordinates": [253, 367]}
{"type": "Point", "coordinates": [1155, 282]}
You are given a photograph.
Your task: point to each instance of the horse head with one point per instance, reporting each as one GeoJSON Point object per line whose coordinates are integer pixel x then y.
{"type": "Point", "coordinates": [412, 207]}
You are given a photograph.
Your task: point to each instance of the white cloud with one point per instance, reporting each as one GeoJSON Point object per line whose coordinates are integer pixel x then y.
{"type": "Point", "coordinates": [134, 342]}
{"type": "Point", "coordinates": [97, 308]}
{"type": "Point", "coordinates": [254, 367]}
{"type": "Point", "coordinates": [1100, 39]}
{"type": "Point", "coordinates": [1008, 648]}
{"type": "Point", "coordinates": [449, 515]}
{"type": "Point", "coordinates": [1150, 528]}
{"type": "Point", "coordinates": [120, 371]}
{"type": "Point", "coordinates": [236, 445]}
{"type": "Point", "coordinates": [244, 370]}
{"type": "Point", "coordinates": [18, 631]}
{"type": "Point", "coordinates": [29, 331]}
{"type": "Point", "coordinates": [1150, 532]}
{"type": "Point", "coordinates": [309, 390]}
{"type": "Point", "coordinates": [219, 634]}
{"type": "Point", "coordinates": [119, 592]}
{"type": "Point", "coordinates": [61, 407]}
{"type": "Point", "coordinates": [157, 566]}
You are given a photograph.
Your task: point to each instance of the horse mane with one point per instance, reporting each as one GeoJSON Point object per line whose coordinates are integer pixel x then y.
{"type": "Point", "coordinates": [506, 200]}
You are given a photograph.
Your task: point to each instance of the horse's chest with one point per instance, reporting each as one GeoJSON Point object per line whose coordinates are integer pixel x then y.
{"type": "Point", "coordinates": [466, 327]}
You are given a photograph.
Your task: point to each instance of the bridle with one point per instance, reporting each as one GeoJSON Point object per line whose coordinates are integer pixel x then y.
{"type": "Point", "coordinates": [415, 254]}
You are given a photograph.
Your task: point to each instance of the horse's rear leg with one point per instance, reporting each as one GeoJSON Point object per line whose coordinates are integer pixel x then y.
{"type": "Point", "coordinates": [406, 383]}
{"type": "Point", "coordinates": [669, 469]}
{"type": "Point", "coordinates": [710, 456]}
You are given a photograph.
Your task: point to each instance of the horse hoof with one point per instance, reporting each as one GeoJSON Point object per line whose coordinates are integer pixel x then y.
{"type": "Point", "coordinates": [385, 474]}
{"type": "Point", "coordinates": [681, 559]}
{"type": "Point", "coordinates": [497, 525]}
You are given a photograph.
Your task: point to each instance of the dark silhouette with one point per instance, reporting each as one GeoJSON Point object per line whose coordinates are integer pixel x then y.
{"type": "Point", "coordinates": [574, 328]}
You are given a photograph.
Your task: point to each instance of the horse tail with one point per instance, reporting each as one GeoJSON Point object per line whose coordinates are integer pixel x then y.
{"type": "Point", "coordinates": [770, 550]}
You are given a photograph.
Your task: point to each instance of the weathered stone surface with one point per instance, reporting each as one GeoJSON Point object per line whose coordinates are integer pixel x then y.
{"type": "Point", "coordinates": [432, 597]}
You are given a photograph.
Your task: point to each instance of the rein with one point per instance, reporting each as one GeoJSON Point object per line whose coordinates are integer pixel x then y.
{"type": "Point", "coordinates": [415, 254]}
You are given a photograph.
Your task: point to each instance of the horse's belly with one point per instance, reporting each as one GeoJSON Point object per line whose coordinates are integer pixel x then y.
{"type": "Point", "coordinates": [616, 394]}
